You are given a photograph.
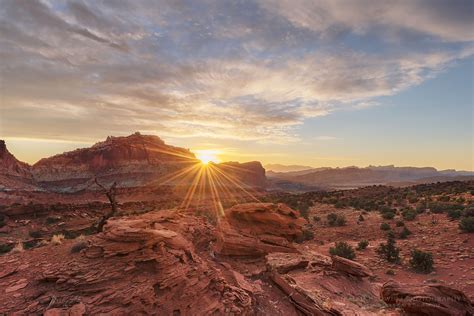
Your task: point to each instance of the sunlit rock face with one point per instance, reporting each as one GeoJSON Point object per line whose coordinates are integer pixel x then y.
{"type": "Point", "coordinates": [133, 161]}
{"type": "Point", "coordinates": [256, 229]}
{"type": "Point", "coordinates": [14, 174]}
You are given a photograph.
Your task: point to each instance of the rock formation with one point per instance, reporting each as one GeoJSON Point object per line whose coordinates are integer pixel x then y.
{"type": "Point", "coordinates": [14, 174]}
{"type": "Point", "coordinates": [256, 229]}
{"type": "Point", "coordinates": [163, 262]}
{"type": "Point", "coordinates": [132, 161]}
{"type": "Point", "coordinates": [434, 299]}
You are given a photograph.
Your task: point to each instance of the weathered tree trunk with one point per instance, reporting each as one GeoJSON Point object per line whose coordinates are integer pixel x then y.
{"type": "Point", "coordinates": [111, 195]}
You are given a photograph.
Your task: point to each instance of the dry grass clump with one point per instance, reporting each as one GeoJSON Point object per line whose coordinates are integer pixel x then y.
{"type": "Point", "coordinates": [18, 247]}
{"type": "Point", "coordinates": [57, 239]}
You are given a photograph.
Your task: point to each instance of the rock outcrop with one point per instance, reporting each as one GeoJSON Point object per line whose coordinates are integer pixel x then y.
{"type": "Point", "coordinates": [256, 229]}
{"type": "Point", "coordinates": [435, 299]}
{"type": "Point", "coordinates": [313, 283]}
{"type": "Point", "coordinates": [142, 265]}
{"type": "Point", "coordinates": [131, 161]}
{"type": "Point", "coordinates": [14, 174]}
{"type": "Point", "coordinates": [134, 161]}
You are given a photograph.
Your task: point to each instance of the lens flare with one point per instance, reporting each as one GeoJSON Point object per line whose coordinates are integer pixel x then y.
{"type": "Point", "coordinates": [207, 156]}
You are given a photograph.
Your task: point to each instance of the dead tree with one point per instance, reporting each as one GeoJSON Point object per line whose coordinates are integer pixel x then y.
{"type": "Point", "coordinates": [111, 194]}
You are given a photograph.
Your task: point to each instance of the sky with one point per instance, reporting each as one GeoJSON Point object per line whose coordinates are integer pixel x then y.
{"type": "Point", "coordinates": [320, 83]}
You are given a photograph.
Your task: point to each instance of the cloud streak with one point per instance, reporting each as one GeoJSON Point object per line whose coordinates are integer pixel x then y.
{"type": "Point", "coordinates": [251, 70]}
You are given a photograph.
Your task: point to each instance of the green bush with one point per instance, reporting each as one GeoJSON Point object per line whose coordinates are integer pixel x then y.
{"type": "Point", "coordinates": [34, 234]}
{"type": "Point", "coordinates": [51, 220]}
{"type": "Point", "coordinates": [388, 250]}
{"type": "Point", "coordinates": [400, 223]}
{"type": "Point", "coordinates": [4, 248]}
{"type": "Point", "coordinates": [454, 214]}
{"type": "Point", "coordinates": [79, 246]}
{"type": "Point", "coordinates": [388, 215]}
{"type": "Point", "coordinates": [307, 234]}
{"type": "Point", "coordinates": [421, 261]}
{"type": "Point", "coordinates": [444, 198]}
{"type": "Point", "coordinates": [385, 226]}
{"type": "Point", "coordinates": [342, 249]}
{"type": "Point", "coordinates": [466, 224]}
{"type": "Point", "coordinates": [317, 218]}
{"type": "Point", "coordinates": [362, 244]}
{"type": "Point", "coordinates": [409, 214]}
{"type": "Point", "coordinates": [336, 220]}
{"type": "Point", "coordinates": [405, 233]}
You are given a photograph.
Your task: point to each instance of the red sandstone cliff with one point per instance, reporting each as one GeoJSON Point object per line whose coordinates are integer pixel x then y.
{"type": "Point", "coordinates": [14, 174]}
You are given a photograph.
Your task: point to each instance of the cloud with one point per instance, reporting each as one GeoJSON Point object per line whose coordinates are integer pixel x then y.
{"type": "Point", "coordinates": [445, 20]}
{"type": "Point", "coordinates": [245, 70]}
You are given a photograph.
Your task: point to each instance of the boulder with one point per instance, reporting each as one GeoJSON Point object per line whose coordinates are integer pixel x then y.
{"type": "Point", "coordinates": [256, 229]}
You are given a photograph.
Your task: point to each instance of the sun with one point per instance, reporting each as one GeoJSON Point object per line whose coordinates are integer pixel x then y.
{"type": "Point", "coordinates": [206, 156]}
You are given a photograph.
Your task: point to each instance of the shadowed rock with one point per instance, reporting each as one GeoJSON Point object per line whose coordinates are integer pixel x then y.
{"type": "Point", "coordinates": [427, 299]}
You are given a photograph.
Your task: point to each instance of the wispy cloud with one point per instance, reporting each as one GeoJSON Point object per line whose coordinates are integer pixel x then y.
{"type": "Point", "coordinates": [251, 70]}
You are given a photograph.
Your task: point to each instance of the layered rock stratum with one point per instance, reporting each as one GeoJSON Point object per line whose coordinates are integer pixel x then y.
{"type": "Point", "coordinates": [131, 161]}
{"type": "Point", "coordinates": [171, 262]}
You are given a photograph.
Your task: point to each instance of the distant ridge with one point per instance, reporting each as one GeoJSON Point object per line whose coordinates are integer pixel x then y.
{"type": "Point", "coordinates": [353, 177]}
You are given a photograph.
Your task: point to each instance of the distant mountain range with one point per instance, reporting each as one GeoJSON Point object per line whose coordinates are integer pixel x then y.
{"type": "Point", "coordinates": [285, 168]}
{"type": "Point", "coordinates": [131, 161]}
{"type": "Point", "coordinates": [352, 177]}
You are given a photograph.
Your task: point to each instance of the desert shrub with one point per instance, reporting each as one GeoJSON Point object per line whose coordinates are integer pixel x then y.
{"type": "Point", "coordinates": [2, 220]}
{"type": "Point", "coordinates": [405, 233]}
{"type": "Point", "coordinates": [307, 234]}
{"type": "Point", "coordinates": [317, 218]}
{"type": "Point", "coordinates": [304, 209]}
{"type": "Point", "coordinates": [466, 224]}
{"type": "Point", "coordinates": [361, 218]}
{"type": "Point", "coordinates": [30, 244]}
{"type": "Point", "coordinates": [339, 204]}
{"type": "Point", "coordinates": [385, 226]}
{"type": "Point", "coordinates": [400, 223]}
{"type": "Point", "coordinates": [4, 248]}
{"type": "Point", "coordinates": [390, 272]}
{"type": "Point", "coordinates": [421, 208]}
{"type": "Point", "coordinates": [57, 239]}
{"type": "Point", "coordinates": [388, 215]}
{"type": "Point", "coordinates": [454, 214]}
{"type": "Point", "coordinates": [421, 261]}
{"type": "Point", "coordinates": [409, 214]}
{"type": "Point", "coordinates": [78, 246]}
{"type": "Point", "coordinates": [389, 251]}
{"type": "Point", "coordinates": [362, 244]}
{"type": "Point", "coordinates": [51, 220]}
{"type": "Point", "coordinates": [336, 219]}
{"type": "Point", "coordinates": [468, 211]}
{"type": "Point", "coordinates": [34, 234]}
{"type": "Point", "coordinates": [342, 249]}
{"type": "Point", "coordinates": [444, 198]}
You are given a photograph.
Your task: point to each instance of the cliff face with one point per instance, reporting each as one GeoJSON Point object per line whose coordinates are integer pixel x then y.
{"type": "Point", "coordinates": [131, 161]}
{"type": "Point", "coordinates": [14, 174]}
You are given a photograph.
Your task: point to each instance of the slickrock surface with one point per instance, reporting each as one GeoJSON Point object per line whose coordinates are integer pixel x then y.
{"type": "Point", "coordinates": [427, 299]}
{"type": "Point", "coordinates": [322, 285]}
{"type": "Point", "coordinates": [165, 262]}
{"type": "Point", "coordinates": [256, 229]}
{"type": "Point", "coordinates": [137, 266]}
